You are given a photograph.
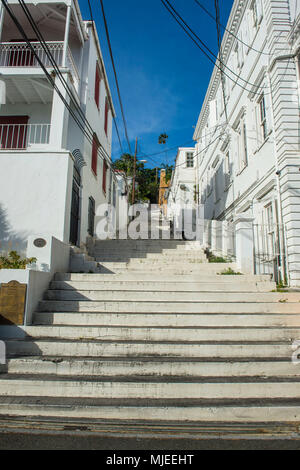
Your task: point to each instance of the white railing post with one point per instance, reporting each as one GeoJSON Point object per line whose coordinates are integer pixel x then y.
{"type": "Point", "coordinates": [2, 12]}
{"type": "Point", "coordinates": [214, 235]}
{"type": "Point", "coordinates": [66, 38]}
{"type": "Point", "coordinates": [225, 238]}
{"type": "Point", "coordinates": [244, 244]}
{"type": "Point", "coordinates": [59, 116]}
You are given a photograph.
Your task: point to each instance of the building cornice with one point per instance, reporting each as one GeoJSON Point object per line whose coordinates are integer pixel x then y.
{"type": "Point", "coordinates": [235, 18]}
{"type": "Point", "coordinates": [92, 26]}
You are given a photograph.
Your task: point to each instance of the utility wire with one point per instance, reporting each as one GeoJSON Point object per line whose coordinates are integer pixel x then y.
{"type": "Point", "coordinates": [229, 32]}
{"type": "Point", "coordinates": [115, 74]}
{"type": "Point", "coordinates": [221, 56]}
{"type": "Point", "coordinates": [185, 27]}
{"type": "Point", "coordinates": [69, 91]}
{"type": "Point", "coordinates": [114, 117]}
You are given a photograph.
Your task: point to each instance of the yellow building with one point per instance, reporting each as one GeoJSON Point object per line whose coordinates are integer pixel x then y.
{"type": "Point", "coordinates": [163, 187]}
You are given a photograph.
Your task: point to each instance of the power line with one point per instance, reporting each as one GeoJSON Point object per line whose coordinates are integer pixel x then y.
{"type": "Point", "coordinates": [185, 27]}
{"type": "Point", "coordinates": [115, 74]}
{"type": "Point", "coordinates": [229, 32]}
{"type": "Point", "coordinates": [90, 136]}
{"type": "Point", "coordinates": [114, 118]}
{"type": "Point", "coordinates": [221, 56]}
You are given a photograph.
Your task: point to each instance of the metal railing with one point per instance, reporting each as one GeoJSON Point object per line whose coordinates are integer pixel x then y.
{"type": "Point", "coordinates": [20, 136]}
{"type": "Point", "coordinates": [18, 54]}
{"type": "Point", "coordinates": [270, 251]}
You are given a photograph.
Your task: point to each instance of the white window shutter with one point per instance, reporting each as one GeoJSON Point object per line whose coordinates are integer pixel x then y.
{"type": "Point", "coordinates": [2, 92]}
{"type": "Point", "coordinates": [268, 113]}
{"type": "Point", "coordinates": [213, 113]}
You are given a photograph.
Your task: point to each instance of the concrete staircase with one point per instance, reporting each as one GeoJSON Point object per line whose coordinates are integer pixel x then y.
{"type": "Point", "coordinates": [157, 341]}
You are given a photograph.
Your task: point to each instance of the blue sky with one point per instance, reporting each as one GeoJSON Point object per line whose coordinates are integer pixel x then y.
{"type": "Point", "coordinates": [162, 75]}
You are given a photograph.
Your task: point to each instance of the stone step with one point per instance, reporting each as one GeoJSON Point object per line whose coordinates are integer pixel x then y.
{"type": "Point", "coordinates": [161, 286]}
{"type": "Point", "coordinates": [150, 252]}
{"type": "Point", "coordinates": [96, 349]}
{"type": "Point", "coordinates": [67, 387]}
{"type": "Point", "coordinates": [149, 277]}
{"type": "Point", "coordinates": [168, 306]}
{"type": "Point", "coordinates": [167, 320]}
{"type": "Point", "coordinates": [159, 264]}
{"type": "Point", "coordinates": [152, 368]}
{"type": "Point", "coordinates": [155, 258]}
{"type": "Point", "coordinates": [252, 412]}
{"type": "Point", "coordinates": [158, 334]}
{"type": "Point", "coordinates": [152, 296]}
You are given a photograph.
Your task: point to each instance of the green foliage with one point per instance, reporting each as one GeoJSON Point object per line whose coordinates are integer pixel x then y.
{"type": "Point", "coordinates": [217, 259]}
{"type": "Point", "coordinates": [146, 178]}
{"type": "Point", "coordinates": [230, 272]}
{"type": "Point", "coordinates": [162, 139]}
{"type": "Point", "coordinates": [281, 287]}
{"type": "Point", "coordinates": [14, 261]}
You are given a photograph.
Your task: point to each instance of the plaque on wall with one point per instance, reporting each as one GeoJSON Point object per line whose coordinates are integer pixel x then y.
{"type": "Point", "coordinates": [12, 303]}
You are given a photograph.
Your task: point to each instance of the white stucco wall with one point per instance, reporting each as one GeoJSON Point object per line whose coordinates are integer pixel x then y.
{"type": "Point", "coordinates": [35, 194]}
{"type": "Point", "coordinates": [249, 189]}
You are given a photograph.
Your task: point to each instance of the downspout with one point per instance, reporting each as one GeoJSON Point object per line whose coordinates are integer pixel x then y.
{"type": "Point", "coordinates": [66, 37]}
{"type": "Point", "coordinates": [278, 186]}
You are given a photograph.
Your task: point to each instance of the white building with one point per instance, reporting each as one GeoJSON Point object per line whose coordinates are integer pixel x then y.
{"type": "Point", "coordinates": [52, 176]}
{"type": "Point", "coordinates": [183, 182]}
{"type": "Point", "coordinates": [248, 164]}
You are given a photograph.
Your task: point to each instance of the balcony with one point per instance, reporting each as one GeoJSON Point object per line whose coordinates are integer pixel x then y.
{"type": "Point", "coordinates": [23, 136]}
{"type": "Point", "coordinates": [18, 55]}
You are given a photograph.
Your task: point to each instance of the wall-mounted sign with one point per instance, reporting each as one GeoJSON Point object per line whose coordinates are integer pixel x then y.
{"type": "Point", "coordinates": [40, 242]}
{"type": "Point", "coordinates": [12, 303]}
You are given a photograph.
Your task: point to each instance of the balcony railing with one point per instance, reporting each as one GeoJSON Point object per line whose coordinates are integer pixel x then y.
{"type": "Point", "coordinates": [18, 54]}
{"type": "Point", "coordinates": [21, 136]}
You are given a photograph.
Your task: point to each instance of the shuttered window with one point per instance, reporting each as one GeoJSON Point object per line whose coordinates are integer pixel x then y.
{"type": "Point", "coordinates": [106, 116]}
{"type": "Point", "coordinates": [104, 176]}
{"type": "Point", "coordinates": [95, 154]}
{"type": "Point", "coordinates": [97, 86]}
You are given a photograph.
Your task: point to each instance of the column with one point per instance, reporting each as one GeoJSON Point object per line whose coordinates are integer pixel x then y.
{"type": "Point", "coordinates": [244, 244]}
{"type": "Point", "coordinates": [66, 38]}
{"type": "Point", "coordinates": [59, 117]}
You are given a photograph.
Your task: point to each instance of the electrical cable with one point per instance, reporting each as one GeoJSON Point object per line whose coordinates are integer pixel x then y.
{"type": "Point", "coordinates": [229, 32]}
{"type": "Point", "coordinates": [184, 26]}
{"type": "Point", "coordinates": [115, 74]}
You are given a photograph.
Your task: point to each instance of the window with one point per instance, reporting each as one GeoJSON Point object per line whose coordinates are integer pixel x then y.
{"type": "Point", "coordinates": [216, 186]}
{"type": "Point", "coordinates": [95, 154]}
{"type": "Point", "coordinates": [97, 86]}
{"type": "Point", "coordinates": [13, 132]}
{"type": "Point", "coordinates": [104, 176]}
{"type": "Point", "coordinates": [106, 116]}
{"type": "Point", "coordinates": [227, 169]}
{"type": "Point", "coordinates": [256, 12]}
{"type": "Point", "coordinates": [263, 118]}
{"type": "Point", "coordinates": [91, 216]}
{"type": "Point", "coordinates": [242, 144]}
{"type": "Point", "coordinates": [189, 160]}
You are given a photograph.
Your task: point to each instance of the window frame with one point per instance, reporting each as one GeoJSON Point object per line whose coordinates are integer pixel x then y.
{"type": "Point", "coordinates": [189, 159]}
{"type": "Point", "coordinates": [98, 79]}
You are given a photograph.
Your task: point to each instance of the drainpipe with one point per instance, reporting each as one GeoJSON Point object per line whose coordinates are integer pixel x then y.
{"type": "Point", "coordinates": [66, 38]}
{"type": "Point", "coordinates": [1, 19]}
{"type": "Point", "coordinates": [278, 187]}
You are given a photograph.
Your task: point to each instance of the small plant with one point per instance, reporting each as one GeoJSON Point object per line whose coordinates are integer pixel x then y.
{"type": "Point", "coordinates": [216, 259]}
{"type": "Point", "coordinates": [230, 272]}
{"type": "Point", "coordinates": [280, 287]}
{"type": "Point", "coordinates": [14, 261]}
